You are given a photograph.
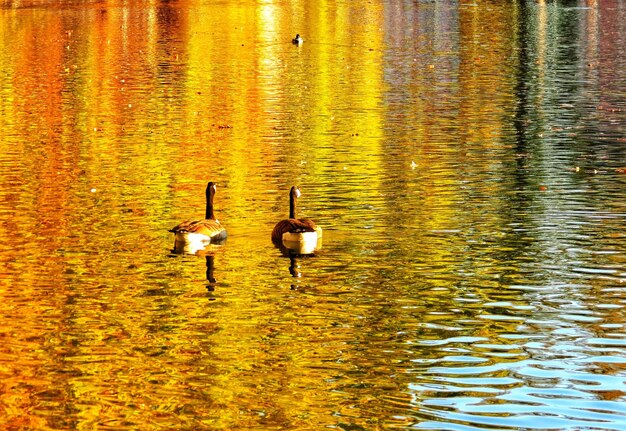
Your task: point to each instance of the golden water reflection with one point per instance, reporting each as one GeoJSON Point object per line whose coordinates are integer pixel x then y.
{"type": "Point", "coordinates": [462, 159]}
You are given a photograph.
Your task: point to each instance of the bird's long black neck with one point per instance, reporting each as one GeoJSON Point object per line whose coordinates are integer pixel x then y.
{"type": "Point", "coordinates": [292, 204]}
{"type": "Point", "coordinates": [210, 215]}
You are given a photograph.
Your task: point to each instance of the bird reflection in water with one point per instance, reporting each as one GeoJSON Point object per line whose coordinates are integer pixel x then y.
{"type": "Point", "coordinates": [296, 252]}
{"type": "Point", "coordinates": [189, 247]}
{"type": "Point", "coordinates": [206, 250]}
{"type": "Point", "coordinates": [210, 278]}
{"type": "Point", "coordinates": [294, 268]}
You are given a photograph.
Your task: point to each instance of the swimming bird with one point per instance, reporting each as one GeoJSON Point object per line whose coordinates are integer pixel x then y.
{"type": "Point", "coordinates": [297, 40]}
{"type": "Point", "coordinates": [296, 233]}
{"type": "Point", "coordinates": [202, 231]}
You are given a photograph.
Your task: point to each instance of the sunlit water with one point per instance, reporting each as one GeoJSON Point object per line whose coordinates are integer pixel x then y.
{"type": "Point", "coordinates": [466, 161]}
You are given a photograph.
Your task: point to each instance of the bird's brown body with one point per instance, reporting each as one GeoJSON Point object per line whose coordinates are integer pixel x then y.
{"type": "Point", "coordinates": [211, 228]}
{"type": "Point", "coordinates": [292, 225]}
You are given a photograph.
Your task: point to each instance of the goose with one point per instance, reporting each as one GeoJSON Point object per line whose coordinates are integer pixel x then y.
{"type": "Point", "coordinates": [297, 40]}
{"type": "Point", "coordinates": [293, 233]}
{"type": "Point", "coordinates": [201, 231]}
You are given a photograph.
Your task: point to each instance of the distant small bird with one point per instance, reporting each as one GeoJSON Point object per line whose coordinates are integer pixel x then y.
{"type": "Point", "coordinates": [297, 40]}
{"type": "Point", "coordinates": [296, 232]}
{"type": "Point", "coordinates": [207, 230]}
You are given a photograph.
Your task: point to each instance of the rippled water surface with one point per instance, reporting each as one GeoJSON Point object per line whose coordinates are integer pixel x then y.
{"type": "Point", "coordinates": [467, 162]}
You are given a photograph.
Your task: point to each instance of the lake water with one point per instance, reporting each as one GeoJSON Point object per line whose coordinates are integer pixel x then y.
{"type": "Point", "coordinates": [467, 162]}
